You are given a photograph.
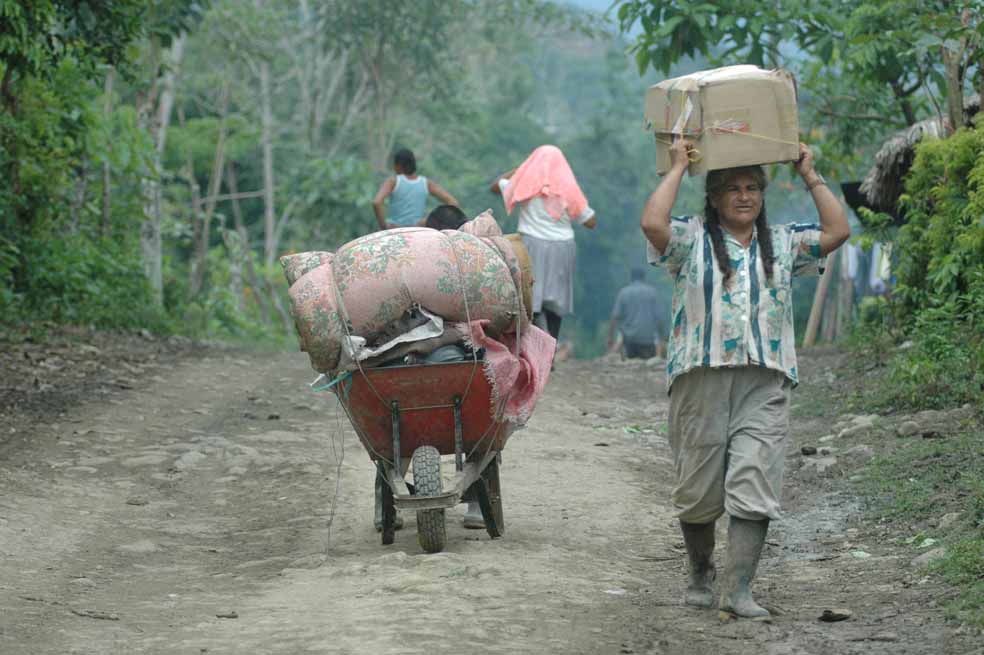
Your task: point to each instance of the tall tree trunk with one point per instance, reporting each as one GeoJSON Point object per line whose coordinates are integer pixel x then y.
{"type": "Point", "coordinates": [199, 249]}
{"type": "Point", "coordinates": [980, 91]}
{"type": "Point", "coordinates": [263, 291]}
{"type": "Point", "coordinates": [954, 88]}
{"type": "Point", "coordinates": [150, 229]}
{"type": "Point", "coordinates": [356, 106]}
{"type": "Point", "coordinates": [236, 252]}
{"type": "Point", "coordinates": [379, 154]}
{"type": "Point", "coordinates": [980, 74]}
{"type": "Point", "coordinates": [954, 72]}
{"type": "Point", "coordinates": [214, 186]}
{"type": "Point", "coordinates": [106, 218]}
{"type": "Point", "coordinates": [266, 138]}
{"type": "Point", "coordinates": [269, 210]}
{"type": "Point", "coordinates": [309, 64]}
{"type": "Point", "coordinates": [246, 248]}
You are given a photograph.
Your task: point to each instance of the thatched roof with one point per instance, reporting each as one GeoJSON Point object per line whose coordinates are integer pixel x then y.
{"type": "Point", "coordinates": [883, 184]}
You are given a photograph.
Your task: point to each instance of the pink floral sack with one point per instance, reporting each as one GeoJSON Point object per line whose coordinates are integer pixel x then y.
{"type": "Point", "coordinates": [373, 281]}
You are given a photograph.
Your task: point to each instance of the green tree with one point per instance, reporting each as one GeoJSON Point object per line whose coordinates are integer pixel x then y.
{"type": "Point", "coordinates": [865, 68]}
{"type": "Point", "coordinates": [36, 37]}
{"type": "Point", "coordinates": [56, 131]}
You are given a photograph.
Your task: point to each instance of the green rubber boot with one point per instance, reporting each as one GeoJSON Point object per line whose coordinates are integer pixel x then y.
{"type": "Point", "coordinates": [745, 541]}
{"type": "Point", "coordinates": [699, 539]}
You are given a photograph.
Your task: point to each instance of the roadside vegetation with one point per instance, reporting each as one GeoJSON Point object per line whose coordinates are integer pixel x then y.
{"type": "Point", "coordinates": [923, 349]}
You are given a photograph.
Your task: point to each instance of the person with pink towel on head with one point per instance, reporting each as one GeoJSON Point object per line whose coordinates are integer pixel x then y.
{"type": "Point", "coordinates": [550, 201]}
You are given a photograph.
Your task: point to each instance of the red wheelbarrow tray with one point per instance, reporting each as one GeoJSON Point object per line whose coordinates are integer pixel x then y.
{"type": "Point", "coordinates": [419, 401]}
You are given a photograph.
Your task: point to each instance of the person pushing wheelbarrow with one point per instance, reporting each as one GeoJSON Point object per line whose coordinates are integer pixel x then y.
{"type": "Point", "coordinates": [425, 337]}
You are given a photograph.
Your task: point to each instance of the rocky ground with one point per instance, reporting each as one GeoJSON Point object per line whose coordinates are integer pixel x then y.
{"type": "Point", "coordinates": [162, 497]}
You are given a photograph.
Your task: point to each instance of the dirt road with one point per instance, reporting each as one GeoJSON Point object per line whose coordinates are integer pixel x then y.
{"type": "Point", "coordinates": [193, 514]}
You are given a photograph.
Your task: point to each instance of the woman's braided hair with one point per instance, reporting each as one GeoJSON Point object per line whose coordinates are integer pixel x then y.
{"type": "Point", "coordinates": [714, 186]}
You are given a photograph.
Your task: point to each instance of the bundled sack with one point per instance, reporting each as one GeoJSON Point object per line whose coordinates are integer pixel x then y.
{"type": "Point", "coordinates": [736, 115]}
{"type": "Point", "coordinates": [485, 225]}
{"type": "Point", "coordinates": [297, 265]}
{"type": "Point", "coordinates": [374, 281]}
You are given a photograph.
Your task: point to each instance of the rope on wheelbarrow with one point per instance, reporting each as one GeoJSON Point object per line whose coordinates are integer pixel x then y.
{"type": "Point", "coordinates": [344, 317]}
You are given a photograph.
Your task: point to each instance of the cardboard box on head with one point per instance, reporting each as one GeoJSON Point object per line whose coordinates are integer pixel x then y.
{"type": "Point", "coordinates": [736, 116]}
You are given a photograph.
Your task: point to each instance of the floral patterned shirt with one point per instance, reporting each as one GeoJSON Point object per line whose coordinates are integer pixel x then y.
{"type": "Point", "coordinates": [748, 323]}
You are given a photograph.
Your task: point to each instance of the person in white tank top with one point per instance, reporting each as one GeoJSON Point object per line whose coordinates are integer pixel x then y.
{"type": "Point", "coordinates": [407, 193]}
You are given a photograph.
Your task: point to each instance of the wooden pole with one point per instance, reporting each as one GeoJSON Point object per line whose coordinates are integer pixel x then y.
{"type": "Point", "coordinates": [829, 319]}
{"type": "Point", "coordinates": [845, 297]}
{"type": "Point", "coordinates": [810, 337]}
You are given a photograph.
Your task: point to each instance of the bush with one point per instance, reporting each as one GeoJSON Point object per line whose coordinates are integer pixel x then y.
{"type": "Point", "coordinates": [872, 313]}
{"type": "Point", "coordinates": [943, 366]}
{"type": "Point", "coordinates": [943, 239]}
{"type": "Point", "coordinates": [215, 312]}
{"type": "Point", "coordinates": [86, 281]}
{"type": "Point", "coordinates": [8, 264]}
{"type": "Point", "coordinates": [938, 302]}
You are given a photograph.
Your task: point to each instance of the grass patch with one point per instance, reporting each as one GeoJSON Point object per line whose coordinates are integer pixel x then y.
{"type": "Point", "coordinates": [937, 362]}
{"type": "Point", "coordinates": [814, 403]}
{"type": "Point", "coordinates": [930, 478]}
{"type": "Point", "coordinates": [963, 567]}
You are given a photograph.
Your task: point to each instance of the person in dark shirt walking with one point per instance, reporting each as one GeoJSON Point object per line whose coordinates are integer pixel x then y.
{"type": "Point", "coordinates": [638, 317]}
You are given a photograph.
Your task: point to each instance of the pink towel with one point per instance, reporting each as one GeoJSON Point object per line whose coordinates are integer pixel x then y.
{"type": "Point", "coordinates": [546, 173]}
{"type": "Point", "coordinates": [516, 382]}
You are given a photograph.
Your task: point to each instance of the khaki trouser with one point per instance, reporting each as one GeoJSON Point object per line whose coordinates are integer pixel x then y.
{"type": "Point", "coordinates": [728, 429]}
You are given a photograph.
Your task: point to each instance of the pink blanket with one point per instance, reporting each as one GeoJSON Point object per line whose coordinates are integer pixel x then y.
{"type": "Point", "coordinates": [517, 382]}
{"type": "Point", "coordinates": [546, 173]}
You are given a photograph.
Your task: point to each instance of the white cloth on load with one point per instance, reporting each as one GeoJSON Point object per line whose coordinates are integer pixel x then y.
{"type": "Point", "coordinates": [354, 348]}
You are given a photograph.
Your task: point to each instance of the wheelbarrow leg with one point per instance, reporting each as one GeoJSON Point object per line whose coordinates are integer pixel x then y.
{"type": "Point", "coordinates": [488, 493]}
{"type": "Point", "coordinates": [389, 509]}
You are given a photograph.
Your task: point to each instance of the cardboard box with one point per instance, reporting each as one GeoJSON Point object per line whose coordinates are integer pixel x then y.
{"type": "Point", "coordinates": [737, 116]}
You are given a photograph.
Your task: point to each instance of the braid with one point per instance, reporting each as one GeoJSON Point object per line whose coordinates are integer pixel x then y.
{"type": "Point", "coordinates": [717, 241]}
{"type": "Point", "coordinates": [765, 243]}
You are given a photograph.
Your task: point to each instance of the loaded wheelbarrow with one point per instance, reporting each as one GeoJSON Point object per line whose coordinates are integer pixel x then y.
{"type": "Point", "coordinates": [416, 413]}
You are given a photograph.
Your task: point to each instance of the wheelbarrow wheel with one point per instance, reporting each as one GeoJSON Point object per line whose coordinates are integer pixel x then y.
{"type": "Point", "coordinates": [431, 529]}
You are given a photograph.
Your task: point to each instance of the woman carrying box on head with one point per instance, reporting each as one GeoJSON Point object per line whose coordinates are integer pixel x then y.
{"type": "Point", "coordinates": [731, 361]}
{"type": "Point", "coordinates": [549, 200]}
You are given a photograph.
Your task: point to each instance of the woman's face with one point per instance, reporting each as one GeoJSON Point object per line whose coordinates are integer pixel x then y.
{"type": "Point", "coordinates": [740, 203]}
